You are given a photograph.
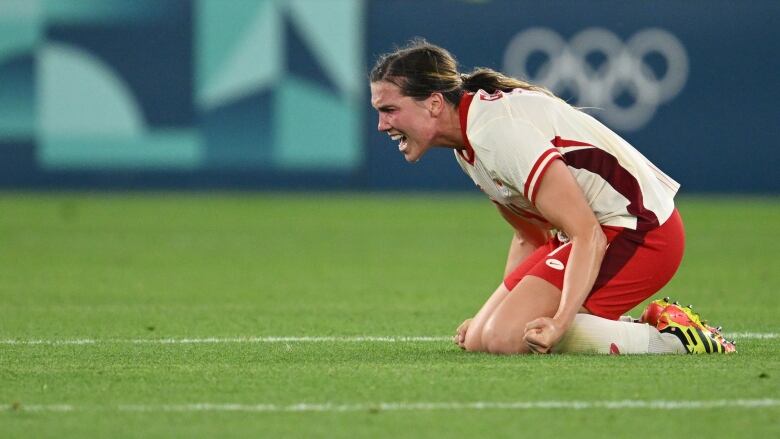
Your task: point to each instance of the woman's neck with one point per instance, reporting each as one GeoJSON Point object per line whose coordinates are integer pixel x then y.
{"type": "Point", "coordinates": [449, 133]}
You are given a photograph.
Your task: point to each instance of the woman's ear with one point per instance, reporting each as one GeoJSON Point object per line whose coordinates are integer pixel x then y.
{"type": "Point", "coordinates": [435, 103]}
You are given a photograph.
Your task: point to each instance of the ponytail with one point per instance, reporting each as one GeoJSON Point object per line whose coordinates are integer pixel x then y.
{"type": "Point", "coordinates": [491, 81]}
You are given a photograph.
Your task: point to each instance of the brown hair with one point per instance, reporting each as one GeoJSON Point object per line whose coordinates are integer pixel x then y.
{"type": "Point", "coordinates": [421, 68]}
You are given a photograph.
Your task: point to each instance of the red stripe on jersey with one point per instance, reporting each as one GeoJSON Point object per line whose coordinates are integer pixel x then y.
{"type": "Point", "coordinates": [542, 171]}
{"type": "Point", "coordinates": [567, 143]}
{"type": "Point", "coordinates": [463, 112]}
{"type": "Point", "coordinates": [537, 172]}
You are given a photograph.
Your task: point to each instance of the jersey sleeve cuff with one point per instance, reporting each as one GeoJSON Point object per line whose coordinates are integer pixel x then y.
{"type": "Point", "coordinates": [537, 172]}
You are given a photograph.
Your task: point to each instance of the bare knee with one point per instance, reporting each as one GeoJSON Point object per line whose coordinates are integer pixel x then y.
{"type": "Point", "coordinates": [503, 340]}
{"type": "Point", "coordinates": [473, 341]}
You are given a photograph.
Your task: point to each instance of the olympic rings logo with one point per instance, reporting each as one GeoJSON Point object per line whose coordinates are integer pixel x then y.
{"type": "Point", "coordinates": [624, 70]}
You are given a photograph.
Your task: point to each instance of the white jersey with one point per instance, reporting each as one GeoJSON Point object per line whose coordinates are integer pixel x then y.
{"type": "Point", "coordinates": [511, 138]}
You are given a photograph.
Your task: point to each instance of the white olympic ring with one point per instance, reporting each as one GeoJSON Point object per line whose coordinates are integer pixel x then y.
{"type": "Point", "coordinates": [624, 70]}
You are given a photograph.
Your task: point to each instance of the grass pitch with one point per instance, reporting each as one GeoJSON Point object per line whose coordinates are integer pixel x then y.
{"type": "Point", "coordinates": [149, 316]}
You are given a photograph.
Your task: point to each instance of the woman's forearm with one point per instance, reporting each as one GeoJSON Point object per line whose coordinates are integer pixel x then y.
{"type": "Point", "coordinates": [583, 267]}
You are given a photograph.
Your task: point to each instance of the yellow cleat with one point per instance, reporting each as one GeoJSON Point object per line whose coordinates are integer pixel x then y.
{"type": "Point", "coordinates": [695, 335]}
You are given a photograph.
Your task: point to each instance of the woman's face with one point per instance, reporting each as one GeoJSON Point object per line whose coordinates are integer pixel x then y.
{"type": "Point", "coordinates": [404, 119]}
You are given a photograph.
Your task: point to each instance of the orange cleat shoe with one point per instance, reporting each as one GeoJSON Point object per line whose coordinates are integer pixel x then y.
{"type": "Point", "coordinates": [654, 310]}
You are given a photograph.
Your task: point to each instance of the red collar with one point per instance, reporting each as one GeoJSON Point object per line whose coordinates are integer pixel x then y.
{"type": "Point", "coordinates": [463, 111]}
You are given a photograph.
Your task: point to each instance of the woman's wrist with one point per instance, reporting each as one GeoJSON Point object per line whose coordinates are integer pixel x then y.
{"type": "Point", "coordinates": [564, 320]}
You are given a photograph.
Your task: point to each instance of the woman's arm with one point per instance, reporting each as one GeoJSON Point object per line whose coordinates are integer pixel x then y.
{"type": "Point", "coordinates": [526, 238]}
{"type": "Point", "coordinates": [563, 204]}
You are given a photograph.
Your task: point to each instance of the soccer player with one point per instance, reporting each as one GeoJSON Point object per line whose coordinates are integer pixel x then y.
{"type": "Point", "coordinates": [596, 229]}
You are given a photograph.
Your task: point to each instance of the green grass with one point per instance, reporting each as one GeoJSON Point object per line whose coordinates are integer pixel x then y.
{"type": "Point", "coordinates": [117, 268]}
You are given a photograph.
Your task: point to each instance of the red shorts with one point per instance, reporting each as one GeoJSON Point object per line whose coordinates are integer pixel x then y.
{"type": "Point", "coordinates": [636, 265]}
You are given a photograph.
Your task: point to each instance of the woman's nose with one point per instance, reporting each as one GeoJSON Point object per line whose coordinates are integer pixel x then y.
{"type": "Point", "coordinates": [382, 125]}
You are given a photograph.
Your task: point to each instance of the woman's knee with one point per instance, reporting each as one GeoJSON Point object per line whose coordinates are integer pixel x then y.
{"type": "Point", "coordinates": [499, 339]}
{"type": "Point", "coordinates": [473, 340]}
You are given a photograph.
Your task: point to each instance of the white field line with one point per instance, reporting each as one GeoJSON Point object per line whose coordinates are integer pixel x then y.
{"type": "Point", "coordinates": [217, 340]}
{"type": "Point", "coordinates": [282, 339]}
{"type": "Point", "coordinates": [752, 335]}
{"type": "Point", "coordinates": [406, 406]}
{"type": "Point", "coordinates": [290, 339]}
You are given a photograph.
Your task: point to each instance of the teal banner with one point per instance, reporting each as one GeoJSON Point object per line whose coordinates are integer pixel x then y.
{"type": "Point", "coordinates": [189, 88]}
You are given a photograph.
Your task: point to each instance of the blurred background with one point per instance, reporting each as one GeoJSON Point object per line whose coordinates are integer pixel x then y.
{"type": "Point", "coordinates": [273, 94]}
{"type": "Point", "coordinates": [209, 171]}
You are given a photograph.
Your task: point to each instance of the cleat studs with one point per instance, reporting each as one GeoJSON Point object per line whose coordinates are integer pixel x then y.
{"type": "Point", "coordinates": [719, 328]}
{"type": "Point", "coordinates": [667, 299]}
{"type": "Point", "coordinates": [690, 306]}
{"type": "Point", "coordinates": [676, 303]}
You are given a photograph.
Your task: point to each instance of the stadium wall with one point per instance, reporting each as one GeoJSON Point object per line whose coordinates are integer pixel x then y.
{"type": "Point", "coordinates": [269, 94]}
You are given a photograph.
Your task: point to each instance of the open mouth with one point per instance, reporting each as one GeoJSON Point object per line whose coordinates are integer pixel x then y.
{"type": "Point", "coordinates": [401, 141]}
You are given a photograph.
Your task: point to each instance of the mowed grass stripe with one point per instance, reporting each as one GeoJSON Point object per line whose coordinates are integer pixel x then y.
{"type": "Point", "coordinates": [295, 339]}
{"type": "Point", "coordinates": [628, 404]}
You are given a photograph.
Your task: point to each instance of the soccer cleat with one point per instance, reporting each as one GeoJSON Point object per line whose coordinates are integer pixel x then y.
{"type": "Point", "coordinates": [695, 335]}
{"type": "Point", "coordinates": [730, 346]}
{"type": "Point", "coordinates": [653, 311]}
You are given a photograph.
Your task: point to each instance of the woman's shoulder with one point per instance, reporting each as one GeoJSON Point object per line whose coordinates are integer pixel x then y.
{"type": "Point", "coordinates": [502, 114]}
{"type": "Point", "coordinates": [517, 104]}
{"type": "Point", "coordinates": [517, 94]}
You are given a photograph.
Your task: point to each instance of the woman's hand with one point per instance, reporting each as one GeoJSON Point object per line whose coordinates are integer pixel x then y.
{"type": "Point", "coordinates": [543, 333]}
{"type": "Point", "coordinates": [460, 334]}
